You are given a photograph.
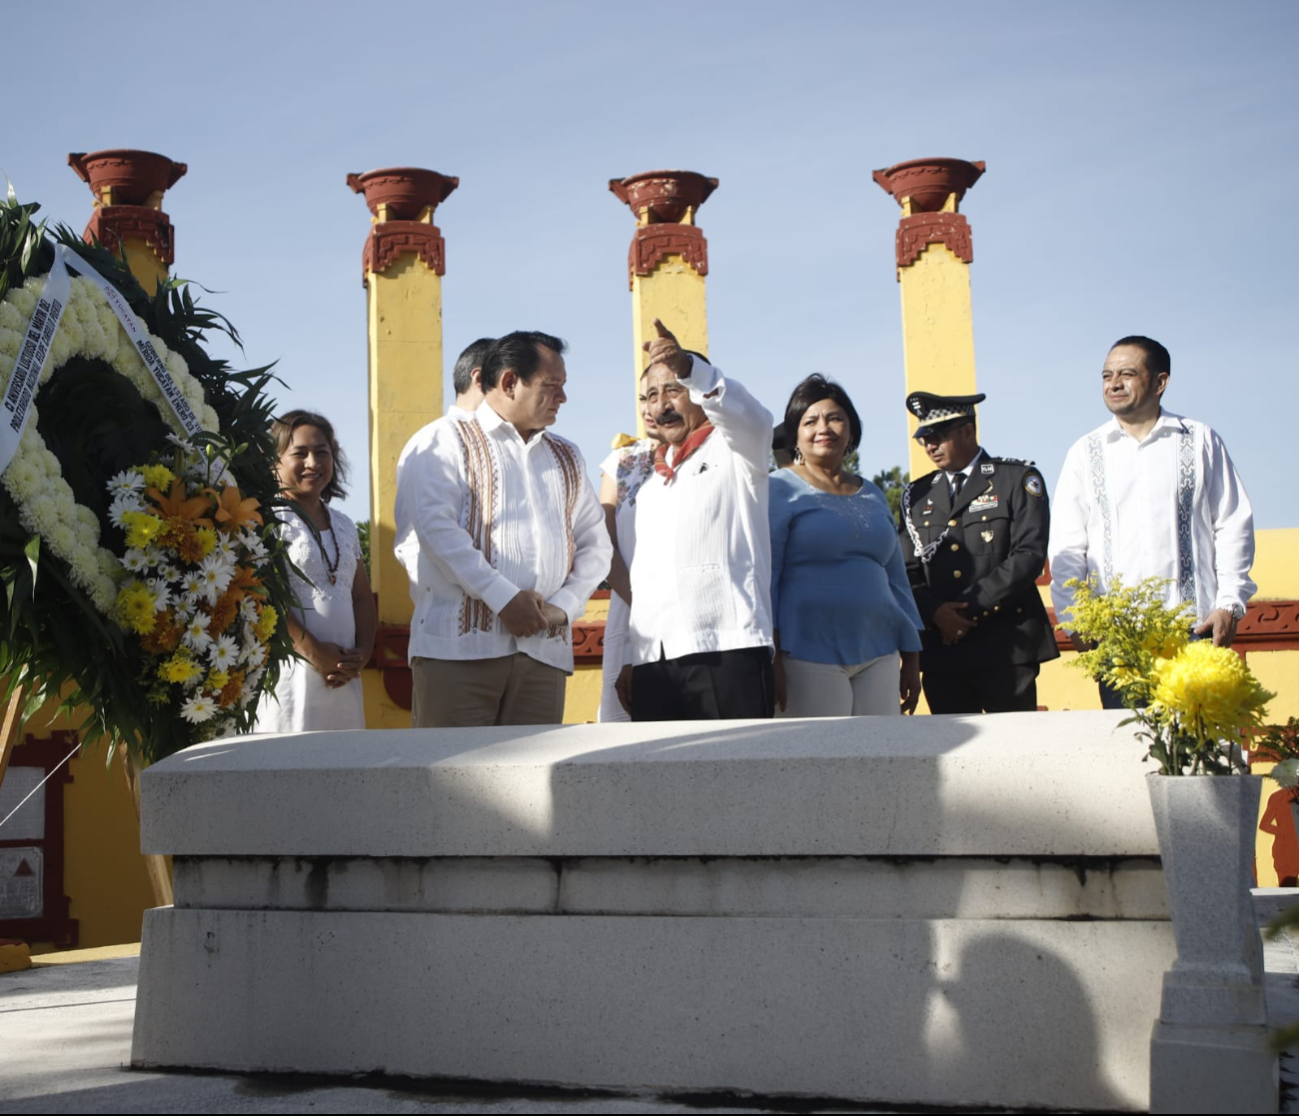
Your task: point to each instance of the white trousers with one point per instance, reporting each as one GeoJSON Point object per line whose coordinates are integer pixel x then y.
{"type": "Point", "coordinates": [828, 690]}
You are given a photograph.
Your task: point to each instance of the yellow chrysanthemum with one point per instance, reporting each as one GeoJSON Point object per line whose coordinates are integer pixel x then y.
{"type": "Point", "coordinates": [135, 608]}
{"type": "Point", "coordinates": [1209, 691]}
{"type": "Point", "coordinates": [141, 528]}
{"type": "Point", "coordinates": [216, 680]}
{"type": "Point", "coordinates": [207, 540]}
{"type": "Point", "coordinates": [158, 476]}
{"type": "Point", "coordinates": [266, 622]}
{"type": "Point", "coordinates": [179, 668]}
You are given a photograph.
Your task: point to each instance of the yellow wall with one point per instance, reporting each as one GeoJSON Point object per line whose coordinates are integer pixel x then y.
{"type": "Point", "coordinates": [104, 873]}
{"type": "Point", "coordinates": [937, 331]}
{"type": "Point", "coordinates": [1276, 564]}
{"type": "Point", "coordinates": [405, 331]}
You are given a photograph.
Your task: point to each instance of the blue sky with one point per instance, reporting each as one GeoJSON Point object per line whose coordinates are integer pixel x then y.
{"type": "Point", "coordinates": [1141, 176]}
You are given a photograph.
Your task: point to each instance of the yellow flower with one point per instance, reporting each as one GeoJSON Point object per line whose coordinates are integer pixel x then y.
{"type": "Point", "coordinates": [207, 539]}
{"type": "Point", "coordinates": [266, 622]}
{"type": "Point", "coordinates": [1209, 691]}
{"type": "Point", "coordinates": [217, 680]}
{"type": "Point", "coordinates": [135, 608]}
{"type": "Point", "coordinates": [158, 476]}
{"type": "Point", "coordinates": [141, 528]}
{"type": "Point", "coordinates": [179, 668]}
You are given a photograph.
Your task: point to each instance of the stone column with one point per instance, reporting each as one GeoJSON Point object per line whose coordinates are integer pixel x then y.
{"type": "Point", "coordinates": [668, 259]}
{"type": "Point", "coordinates": [933, 258]}
{"type": "Point", "coordinates": [402, 268]}
{"type": "Point", "coordinates": [128, 187]}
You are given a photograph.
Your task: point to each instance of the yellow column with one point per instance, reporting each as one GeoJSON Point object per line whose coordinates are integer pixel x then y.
{"type": "Point", "coordinates": [128, 187]}
{"type": "Point", "coordinates": [933, 257]}
{"type": "Point", "coordinates": [403, 265]}
{"type": "Point", "coordinates": [667, 262]}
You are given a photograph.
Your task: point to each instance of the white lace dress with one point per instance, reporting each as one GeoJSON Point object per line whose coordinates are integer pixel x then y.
{"type": "Point", "coordinates": [304, 701]}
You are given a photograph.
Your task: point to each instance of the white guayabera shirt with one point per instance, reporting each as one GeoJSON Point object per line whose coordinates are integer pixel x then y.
{"type": "Point", "coordinates": [493, 515]}
{"type": "Point", "coordinates": [1170, 506]}
{"type": "Point", "coordinates": [701, 573]}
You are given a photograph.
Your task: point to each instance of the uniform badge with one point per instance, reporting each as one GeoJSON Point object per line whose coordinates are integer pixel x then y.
{"type": "Point", "coordinates": [1033, 485]}
{"type": "Point", "coordinates": [987, 468]}
{"type": "Point", "coordinates": [984, 503]}
{"type": "Point", "coordinates": [986, 536]}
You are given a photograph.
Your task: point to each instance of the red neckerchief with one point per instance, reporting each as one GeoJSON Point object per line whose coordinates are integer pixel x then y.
{"type": "Point", "coordinates": [692, 443]}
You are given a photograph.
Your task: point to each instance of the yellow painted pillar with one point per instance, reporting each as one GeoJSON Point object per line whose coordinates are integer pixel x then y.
{"type": "Point", "coordinates": [403, 265]}
{"type": "Point", "coordinates": [128, 187]}
{"type": "Point", "coordinates": [933, 257]}
{"type": "Point", "coordinates": [667, 262]}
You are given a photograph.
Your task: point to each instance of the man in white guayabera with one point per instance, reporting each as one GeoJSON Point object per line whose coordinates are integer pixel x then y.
{"type": "Point", "coordinates": [699, 634]}
{"type": "Point", "coordinates": [1152, 494]}
{"type": "Point", "coordinates": [512, 543]}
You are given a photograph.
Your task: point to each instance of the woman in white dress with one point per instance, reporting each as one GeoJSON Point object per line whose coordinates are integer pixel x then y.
{"type": "Point", "coordinates": [334, 629]}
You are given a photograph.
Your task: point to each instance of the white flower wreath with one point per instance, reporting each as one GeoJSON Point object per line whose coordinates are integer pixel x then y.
{"type": "Point", "coordinates": [34, 478]}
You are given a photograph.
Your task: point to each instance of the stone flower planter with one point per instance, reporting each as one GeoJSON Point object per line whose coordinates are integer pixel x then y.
{"type": "Point", "coordinates": [1209, 1050]}
{"type": "Point", "coordinates": [134, 176]}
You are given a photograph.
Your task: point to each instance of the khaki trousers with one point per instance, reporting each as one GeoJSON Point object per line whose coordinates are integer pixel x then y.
{"type": "Point", "coordinates": [462, 693]}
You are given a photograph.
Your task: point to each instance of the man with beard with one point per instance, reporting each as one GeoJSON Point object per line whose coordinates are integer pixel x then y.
{"type": "Point", "coordinates": [700, 636]}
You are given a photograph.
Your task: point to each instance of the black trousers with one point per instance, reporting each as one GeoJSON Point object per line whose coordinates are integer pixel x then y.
{"type": "Point", "coordinates": [1006, 689]}
{"type": "Point", "coordinates": [707, 686]}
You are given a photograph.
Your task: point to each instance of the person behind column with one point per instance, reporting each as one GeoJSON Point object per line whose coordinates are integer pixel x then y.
{"type": "Point", "coordinates": [974, 534]}
{"type": "Point", "coordinates": [839, 591]}
{"type": "Point", "coordinates": [700, 642]}
{"type": "Point", "coordinates": [512, 543]}
{"type": "Point", "coordinates": [333, 630]}
{"type": "Point", "coordinates": [1152, 494]}
{"type": "Point", "coordinates": [621, 475]}
{"type": "Point", "coordinates": [466, 380]}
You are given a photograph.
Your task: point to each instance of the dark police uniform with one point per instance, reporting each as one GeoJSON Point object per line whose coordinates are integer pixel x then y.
{"type": "Point", "coordinates": [986, 548]}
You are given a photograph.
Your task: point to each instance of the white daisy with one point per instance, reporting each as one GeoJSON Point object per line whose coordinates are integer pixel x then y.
{"type": "Point", "coordinates": [126, 481]}
{"type": "Point", "coordinates": [161, 593]}
{"type": "Point", "coordinates": [169, 573]}
{"type": "Point", "coordinates": [255, 655]}
{"type": "Point", "coordinates": [122, 503]}
{"type": "Point", "coordinates": [224, 653]}
{"type": "Point", "coordinates": [153, 556]}
{"type": "Point", "coordinates": [133, 560]}
{"type": "Point", "coordinates": [198, 709]}
{"type": "Point", "coordinates": [215, 575]}
{"type": "Point", "coordinates": [196, 636]}
{"type": "Point", "coordinates": [191, 584]}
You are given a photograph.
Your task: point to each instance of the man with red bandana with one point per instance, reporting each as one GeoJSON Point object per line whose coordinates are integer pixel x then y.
{"type": "Point", "coordinates": [700, 634]}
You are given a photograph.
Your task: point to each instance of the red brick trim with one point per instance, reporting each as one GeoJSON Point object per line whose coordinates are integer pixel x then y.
{"type": "Point", "coordinates": [1268, 626]}
{"type": "Point", "coordinates": [389, 239]}
{"type": "Point", "coordinates": [917, 232]}
{"type": "Point", "coordinates": [112, 224]}
{"type": "Point", "coordinates": [651, 243]}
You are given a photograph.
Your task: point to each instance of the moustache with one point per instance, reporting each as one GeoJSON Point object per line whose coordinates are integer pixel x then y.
{"type": "Point", "coordinates": [668, 416]}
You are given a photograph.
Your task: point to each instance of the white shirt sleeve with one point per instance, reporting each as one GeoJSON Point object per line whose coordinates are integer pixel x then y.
{"type": "Point", "coordinates": [1233, 528]}
{"type": "Point", "coordinates": [1067, 551]}
{"type": "Point", "coordinates": [592, 552]}
{"type": "Point", "coordinates": [430, 490]}
{"type": "Point", "coordinates": [743, 422]}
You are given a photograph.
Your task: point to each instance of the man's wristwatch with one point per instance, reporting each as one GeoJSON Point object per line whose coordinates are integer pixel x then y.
{"type": "Point", "coordinates": [1237, 611]}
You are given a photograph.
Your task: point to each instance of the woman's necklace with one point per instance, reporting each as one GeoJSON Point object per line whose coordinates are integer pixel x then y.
{"type": "Point", "coordinates": [331, 568]}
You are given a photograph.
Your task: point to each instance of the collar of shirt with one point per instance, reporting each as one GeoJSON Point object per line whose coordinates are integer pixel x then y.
{"type": "Point", "coordinates": [967, 472]}
{"type": "Point", "coordinates": [498, 427]}
{"type": "Point", "coordinates": [1166, 423]}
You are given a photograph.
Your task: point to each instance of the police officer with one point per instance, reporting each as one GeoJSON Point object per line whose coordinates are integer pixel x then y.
{"type": "Point", "coordinates": [974, 533]}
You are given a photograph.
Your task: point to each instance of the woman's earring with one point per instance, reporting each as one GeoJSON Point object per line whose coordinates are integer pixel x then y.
{"type": "Point", "coordinates": [798, 457]}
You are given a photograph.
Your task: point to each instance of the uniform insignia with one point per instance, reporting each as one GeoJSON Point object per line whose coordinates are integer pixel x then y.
{"type": "Point", "coordinates": [986, 469]}
{"type": "Point", "coordinates": [986, 536]}
{"type": "Point", "coordinates": [1033, 485]}
{"type": "Point", "coordinates": [984, 502]}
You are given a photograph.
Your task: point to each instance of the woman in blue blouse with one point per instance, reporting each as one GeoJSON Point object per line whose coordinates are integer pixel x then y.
{"type": "Point", "coordinates": [840, 596]}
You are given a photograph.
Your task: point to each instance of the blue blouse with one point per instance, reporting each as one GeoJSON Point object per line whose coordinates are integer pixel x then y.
{"type": "Point", "coordinates": [839, 587]}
